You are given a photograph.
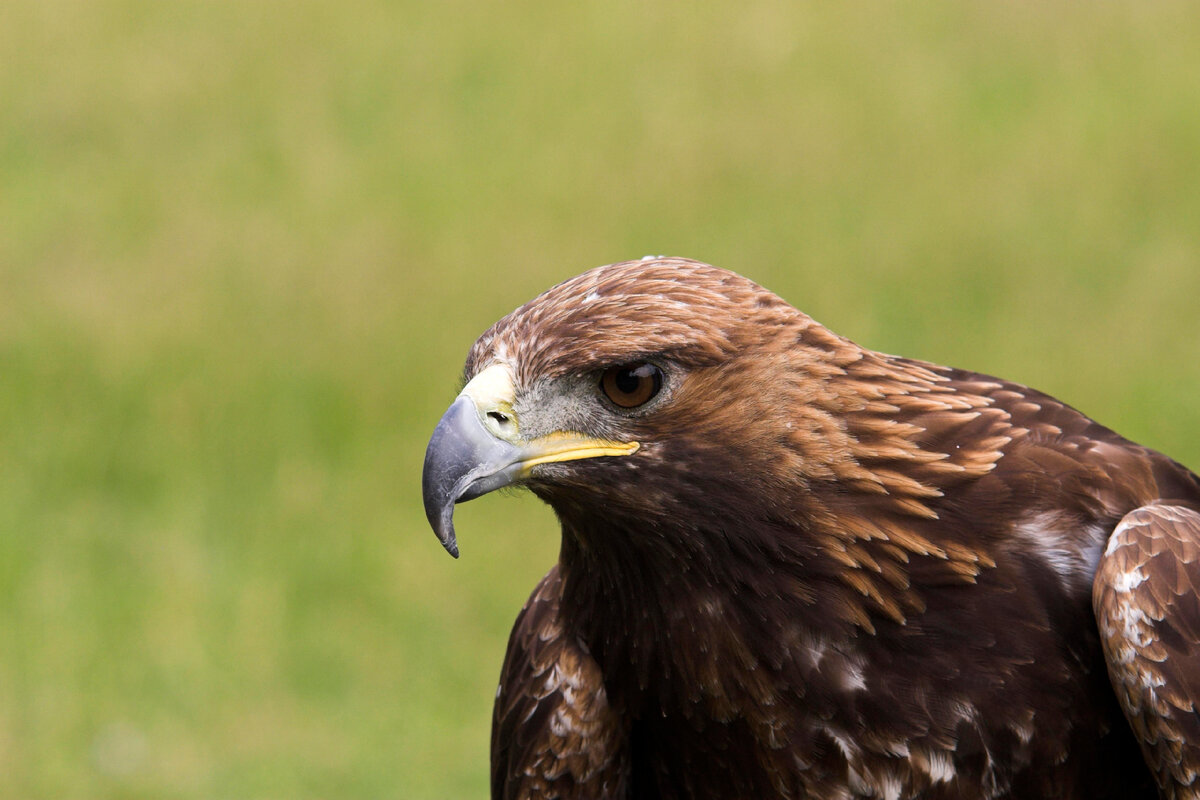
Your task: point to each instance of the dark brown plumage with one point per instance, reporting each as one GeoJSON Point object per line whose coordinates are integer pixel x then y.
{"type": "Point", "coordinates": [794, 567]}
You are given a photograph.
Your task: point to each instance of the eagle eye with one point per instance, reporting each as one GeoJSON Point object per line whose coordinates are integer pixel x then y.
{"type": "Point", "coordinates": [631, 385]}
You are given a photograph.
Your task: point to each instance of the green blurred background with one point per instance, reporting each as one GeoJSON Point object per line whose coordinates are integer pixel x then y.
{"type": "Point", "coordinates": [244, 248]}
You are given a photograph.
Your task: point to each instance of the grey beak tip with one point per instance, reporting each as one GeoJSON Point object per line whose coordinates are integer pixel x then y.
{"type": "Point", "coordinates": [443, 525]}
{"type": "Point", "coordinates": [439, 496]}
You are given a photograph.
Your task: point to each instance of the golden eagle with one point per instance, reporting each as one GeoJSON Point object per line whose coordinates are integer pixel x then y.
{"type": "Point", "coordinates": [795, 567]}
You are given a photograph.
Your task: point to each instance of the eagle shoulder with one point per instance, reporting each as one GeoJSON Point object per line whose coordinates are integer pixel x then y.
{"type": "Point", "coordinates": [1146, 596]}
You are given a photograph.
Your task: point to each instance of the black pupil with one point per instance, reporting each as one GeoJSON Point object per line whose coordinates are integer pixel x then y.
{"type": "Point", "coordinates": [628, 380]}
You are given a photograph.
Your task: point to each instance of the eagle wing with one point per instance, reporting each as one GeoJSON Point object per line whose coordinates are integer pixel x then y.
{"type": "Point", "coordinates": [554, 733]}
{"type": "Point", "coordinates": [1147, 601]}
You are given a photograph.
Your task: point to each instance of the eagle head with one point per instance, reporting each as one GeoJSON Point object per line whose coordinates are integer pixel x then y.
{"type": "Point", "coordinates": [607, 393]}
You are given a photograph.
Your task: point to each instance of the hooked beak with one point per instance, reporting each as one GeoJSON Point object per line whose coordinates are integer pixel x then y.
{"type": "Point", "coordinates": [477, 448]}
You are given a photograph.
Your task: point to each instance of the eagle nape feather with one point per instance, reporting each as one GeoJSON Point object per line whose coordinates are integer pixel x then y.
{"type": "Point", "coordinates": [795, 567]}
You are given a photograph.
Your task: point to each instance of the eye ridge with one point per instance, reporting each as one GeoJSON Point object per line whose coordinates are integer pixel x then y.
{"type": "Point", "coordinates": [631, 385]}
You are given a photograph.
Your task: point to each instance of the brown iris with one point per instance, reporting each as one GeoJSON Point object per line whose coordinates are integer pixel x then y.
{"type": "Point", "coordinates": [631, 385]}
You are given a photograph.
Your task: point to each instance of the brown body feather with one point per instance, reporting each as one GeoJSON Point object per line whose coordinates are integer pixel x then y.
{"type": "Point", "coordinates": [826, 573]}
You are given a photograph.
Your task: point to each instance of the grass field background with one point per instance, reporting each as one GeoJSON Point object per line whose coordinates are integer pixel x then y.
{"type": "Point", "coordinates": [244, 248]}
